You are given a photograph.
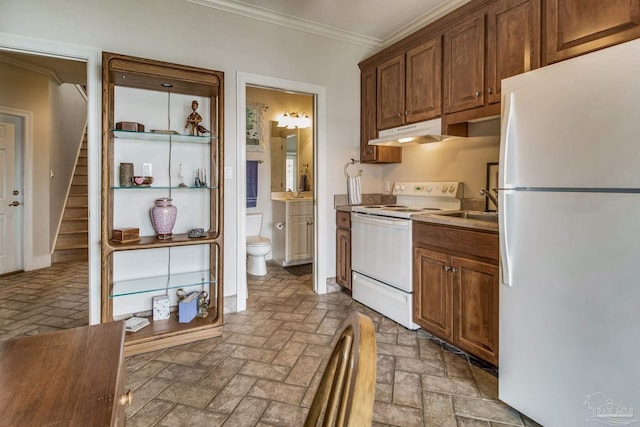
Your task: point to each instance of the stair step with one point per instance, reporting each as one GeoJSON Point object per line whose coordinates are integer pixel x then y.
{"type": "Point", "coordinates": [77, 201]}
{"type": "Point", "coordinates": [80, 180]}
{"type": "Point", "coordinates": [75, 213]}
{"type": "Point", "coordinates": [72, 241]}
{"type": "Point", "coordinates": [70, 255]}
{"type": "Point", "coordinates": [78, 232]}
{"type": "Point", "coordinates": [81, 170]}
{"type": "Point", "coordinates": [74, 226]}
{"type": "Point", "coordinates": [79, 190]}
{"type": "Point", "coordinates": [82, 161]}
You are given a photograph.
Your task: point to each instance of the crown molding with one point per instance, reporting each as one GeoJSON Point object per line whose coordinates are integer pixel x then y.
{"type": "Point", "coordinates": [31, 67]}
{"type": "Point", "coordinates": [433, 15]}
{"type": "Point", "coordinates": [289, 21]}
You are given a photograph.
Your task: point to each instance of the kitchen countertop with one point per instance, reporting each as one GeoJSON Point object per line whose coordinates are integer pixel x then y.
{"type": "Point", "coordinates": [443, 220]}
{"type": "Point", "coordinates": [456, 222]}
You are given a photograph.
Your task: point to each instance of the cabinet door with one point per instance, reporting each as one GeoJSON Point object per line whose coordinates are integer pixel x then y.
{"type": "Point", "coordinates": [432, 292]}
{"type": "Point", "coordinates": [424, 81]}
{"type": "Point", "coordinates": [299, 238]}
{"type": "Point", "coordinates": [343, 257]}
{"type": "Point", "coordinates": [368, 120]}
{"type": "Point", "coordinates": [391, 93]}
{"type": "Point", "coordinates": [575, 27]}
{"type": "Point", "coordinates": [368, 124]}
{"type": "Point", "coordinates": [464, 65]}
{"type": "Point", "coordinates": [513, 42]}
{"type": "Point", "coordinates": [476, 308]}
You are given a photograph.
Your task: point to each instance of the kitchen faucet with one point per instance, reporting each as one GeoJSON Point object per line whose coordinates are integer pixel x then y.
{"type": "Point", "coordinates": [487, 194]}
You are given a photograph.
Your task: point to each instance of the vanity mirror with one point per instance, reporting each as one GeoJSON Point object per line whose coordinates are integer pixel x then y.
{"type": "Point", "coordinates": [291, 158]}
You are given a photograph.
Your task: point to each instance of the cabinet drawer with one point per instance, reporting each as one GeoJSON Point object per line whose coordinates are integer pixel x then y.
{"type": "Point", "coordinates": [458, 240]}
{"type": "Point", "coordinates": [343, 220]}
{"type": "Point", "coordinates": [300, 208]}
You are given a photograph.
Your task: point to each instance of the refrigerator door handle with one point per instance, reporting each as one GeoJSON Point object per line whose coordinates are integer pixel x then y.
{"type": "Point", "coordinates": [506, 141]}
{"type": "Point", "coordinates": [504, 219]}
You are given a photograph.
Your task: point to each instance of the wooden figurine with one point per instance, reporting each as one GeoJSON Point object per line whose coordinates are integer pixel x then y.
{"type": "Point", "coordinates": [193, 120]}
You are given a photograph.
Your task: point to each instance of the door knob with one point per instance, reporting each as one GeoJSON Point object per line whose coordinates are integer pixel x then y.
{"type": "Point", "coordinates": [16, 192]}
{"type": "Point", "coordinates": [15, 203]}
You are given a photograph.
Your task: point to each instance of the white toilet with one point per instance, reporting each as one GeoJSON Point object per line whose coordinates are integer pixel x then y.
{"type": "Point", "coordinates": [257, 247]}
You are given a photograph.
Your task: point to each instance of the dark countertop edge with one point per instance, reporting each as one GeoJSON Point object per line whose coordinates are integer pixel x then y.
{"type": "Point", "coordinates": [456, 222]}
{"type": "Point", "coordinates": [343, 208]}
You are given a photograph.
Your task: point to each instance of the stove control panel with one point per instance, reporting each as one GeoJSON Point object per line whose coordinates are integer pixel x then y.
{"type": "Point", "coordinates": [439, 189]}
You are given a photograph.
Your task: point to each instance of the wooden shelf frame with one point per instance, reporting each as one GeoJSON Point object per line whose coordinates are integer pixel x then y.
{"type": "Point", "coordinates": [140, 73]}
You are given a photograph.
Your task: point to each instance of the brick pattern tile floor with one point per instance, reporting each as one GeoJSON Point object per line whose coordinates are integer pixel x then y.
{"type": "Point", "coordinates": [265, 368]}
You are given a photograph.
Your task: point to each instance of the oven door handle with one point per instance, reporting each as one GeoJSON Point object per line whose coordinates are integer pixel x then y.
{"type": "Point", "coordinates": [371, 219]}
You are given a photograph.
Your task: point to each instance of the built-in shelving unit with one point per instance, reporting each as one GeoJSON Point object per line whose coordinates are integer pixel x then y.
{"type": "Point", "coordinates": [159, 95]}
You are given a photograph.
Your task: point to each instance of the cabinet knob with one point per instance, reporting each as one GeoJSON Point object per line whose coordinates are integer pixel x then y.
{"type": "Point", "coordinates": [447, 268]}
{"type": "Point", "coordinates": [399, 114]}
{"type": "Point", "coordinates": [370, 150]}
{"type": "Point", "coordinates": [406, 113]}
{"type": "Point", "coordinates": [127, 398]}
{"type": "Point", "coordinates": [477, 94]}
{"type": "Point", "coordinates": [454, 270]}
{"type": "Point", "coordinates": [490, 91]}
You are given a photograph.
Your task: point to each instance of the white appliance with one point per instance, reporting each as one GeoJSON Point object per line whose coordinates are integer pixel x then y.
{"type": "Point", "coordinates": [415, 133]}
{"type": "Point", "coordinates": [570, 240]}
{"type": "Point", "coordinates": [381, 246]}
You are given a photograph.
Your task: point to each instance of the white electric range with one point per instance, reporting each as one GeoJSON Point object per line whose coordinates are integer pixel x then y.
{"type": "Point", "coordinates": [381, 246]}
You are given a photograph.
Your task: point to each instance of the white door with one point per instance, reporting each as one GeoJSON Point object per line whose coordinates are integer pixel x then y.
{"type": "Point", "coordinates": [10, 203]}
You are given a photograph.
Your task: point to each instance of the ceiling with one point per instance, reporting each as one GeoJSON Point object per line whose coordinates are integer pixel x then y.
{"type": "Point", "coordinates": [58, 69]}
{"type": "Point", "coordinates": [374, 23]}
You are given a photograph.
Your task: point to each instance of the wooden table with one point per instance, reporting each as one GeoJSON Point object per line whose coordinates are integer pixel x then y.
{"type": "Point", "coordinates": [68, 378]}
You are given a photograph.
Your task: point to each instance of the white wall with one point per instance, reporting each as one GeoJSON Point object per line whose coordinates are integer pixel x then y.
{"type": "Point", "coordinates": [68, 118]}
{"type": "Point", "coordinates": [457, 159]}
{"type": "Point", "coordinates": [181, 32]}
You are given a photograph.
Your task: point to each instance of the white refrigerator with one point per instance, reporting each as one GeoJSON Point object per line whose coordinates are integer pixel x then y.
{"type": "Point", "coordinates": [570, 240]}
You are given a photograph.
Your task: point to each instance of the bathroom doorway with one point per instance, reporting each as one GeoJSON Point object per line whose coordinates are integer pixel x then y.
{"type": "Point", "coordinates": [280, 145]}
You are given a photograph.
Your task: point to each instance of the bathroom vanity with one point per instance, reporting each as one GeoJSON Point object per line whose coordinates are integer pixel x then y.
{"type": "Point", "coordinates": [293, 230]}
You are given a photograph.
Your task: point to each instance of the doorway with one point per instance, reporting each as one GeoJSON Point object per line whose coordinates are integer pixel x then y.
{"type": "Point", "coordinates": [283, 150]}
{"type": "Point", "coordinates": [38, 57]}
{"type": "Point", "coordinates": [320, 204]}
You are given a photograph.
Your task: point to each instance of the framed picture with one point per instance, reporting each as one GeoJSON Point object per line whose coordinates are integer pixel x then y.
{"type": "Point", "coordinates": [492, 184]}
{"type": "Point", "coordinates": [255, 135]}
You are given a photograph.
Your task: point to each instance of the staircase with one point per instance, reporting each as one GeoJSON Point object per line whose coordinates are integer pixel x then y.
{"type": "Point", "coordinates": [72, 243]}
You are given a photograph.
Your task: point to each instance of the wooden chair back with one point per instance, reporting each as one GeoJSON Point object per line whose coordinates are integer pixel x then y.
{"type": "Point", "coordinates": [347, 388]}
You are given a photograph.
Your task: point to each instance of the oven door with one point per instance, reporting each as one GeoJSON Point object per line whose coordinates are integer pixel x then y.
{"type": "Point", "coordinates": [381, 249]}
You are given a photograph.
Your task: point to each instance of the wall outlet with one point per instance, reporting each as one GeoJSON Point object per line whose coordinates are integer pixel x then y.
{"type": "Point", "coordinates": [228, 172]}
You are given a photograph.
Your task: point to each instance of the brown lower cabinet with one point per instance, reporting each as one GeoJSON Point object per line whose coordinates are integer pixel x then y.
{"type": "Point", "coordinates": [455, 290]}
{"type": "Point", "coordinates": [343, 249]}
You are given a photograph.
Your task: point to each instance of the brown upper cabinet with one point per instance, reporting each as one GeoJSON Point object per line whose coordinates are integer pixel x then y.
{"type": "Point", "coordinates": [513, 42]}
{"type": "Point", "coordinates": [464, 65]}
{"type": "Point", "coordinates": [512, 47]}
{"type": "Point", "coordinates": [409, 85]}
{"type": "Point", "coordinates": [368, 126]}
{"type": "Point", "coordinates": [575, 27]}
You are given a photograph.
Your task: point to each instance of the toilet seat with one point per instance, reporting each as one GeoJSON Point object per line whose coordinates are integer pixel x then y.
{"type": "Point", "coordinates": [258, 241]}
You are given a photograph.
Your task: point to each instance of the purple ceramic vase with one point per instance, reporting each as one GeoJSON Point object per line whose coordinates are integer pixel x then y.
{"type": "Point", "coordinates": [163, 218]}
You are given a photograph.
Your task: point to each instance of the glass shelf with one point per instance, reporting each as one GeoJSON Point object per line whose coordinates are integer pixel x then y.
{"type": "Point", "coordinates": [159, 283]}
{"type": "Point", "coordinates": [159, 187]}
{"type": "Point", "coordinates": [166, 137]}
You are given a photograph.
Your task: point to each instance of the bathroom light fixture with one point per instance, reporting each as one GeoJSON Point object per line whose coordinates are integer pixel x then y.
{"type": "Point", "coordinates": [293, 120]}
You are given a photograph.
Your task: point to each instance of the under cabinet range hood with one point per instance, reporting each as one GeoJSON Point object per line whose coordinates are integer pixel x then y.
{"type": "Point", "coordinates": [416, 133]}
